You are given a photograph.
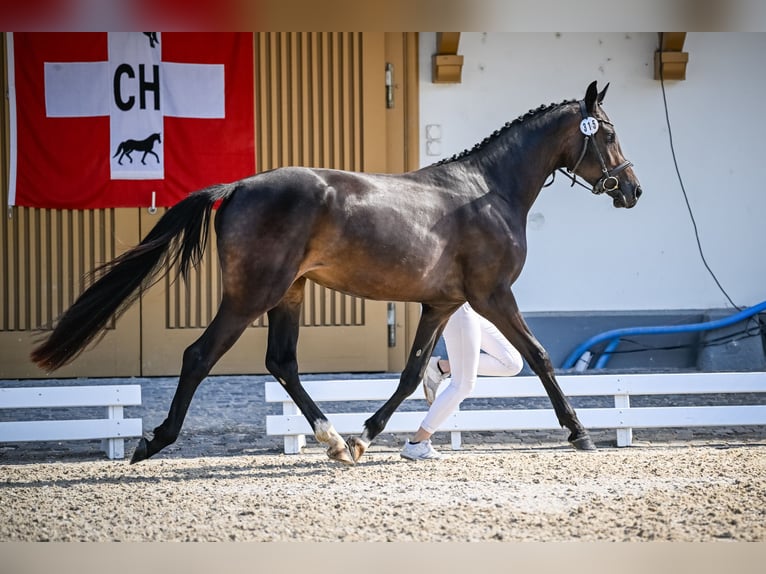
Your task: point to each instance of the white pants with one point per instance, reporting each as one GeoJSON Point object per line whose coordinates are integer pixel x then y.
{"type": "Point", "coordinates": [466, 335]}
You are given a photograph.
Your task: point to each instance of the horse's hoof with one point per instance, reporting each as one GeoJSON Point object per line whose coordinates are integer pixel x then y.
{"type": "Point", "coordinates": [583, 442]}
{"type": "Point", "coordinates": [341, 454]}
{"type": "Point", "coordinates": [141, 452]}
{"type": "Point", "coordinates": [357, 447]}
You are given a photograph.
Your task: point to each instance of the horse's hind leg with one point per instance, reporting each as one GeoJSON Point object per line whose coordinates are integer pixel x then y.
{"type": "Point", "coordinates": [198, 359]}
{"type": "Point", "coordinates": [501, 309]}
{"type": "Point", "coordinates": [282, 362]}
{"type": "Point", "coordinates": [430, 327]}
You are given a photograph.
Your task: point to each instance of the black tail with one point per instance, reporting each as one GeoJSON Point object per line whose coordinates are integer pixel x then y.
{"type": "Point", "coordinates": [181, 232]}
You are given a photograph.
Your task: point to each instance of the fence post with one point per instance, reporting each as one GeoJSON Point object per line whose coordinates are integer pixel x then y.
{"type": "Point", "coordinates": [456, 438]}
{"type": "Point", "coordinates": [114, 447]}
{"type": "Point", "coordinates": [294, 443]}
{"type": "Point", "coordinates": [622, 401]}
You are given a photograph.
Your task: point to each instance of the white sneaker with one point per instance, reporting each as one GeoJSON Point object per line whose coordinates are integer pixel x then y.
{"type": "Point", "coordinates": [419, 451]}
{"type": "Point", "coordinates": [432, 379]}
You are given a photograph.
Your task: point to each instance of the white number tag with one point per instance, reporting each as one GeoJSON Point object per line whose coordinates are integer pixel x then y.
{"type": "Point", "coordinates": [589, 126]}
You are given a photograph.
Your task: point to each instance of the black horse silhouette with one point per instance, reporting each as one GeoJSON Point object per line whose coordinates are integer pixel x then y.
{"type": "Point", "coordinates": [129, 146]}
{"type": "Point", "coordinates": [152, 38]}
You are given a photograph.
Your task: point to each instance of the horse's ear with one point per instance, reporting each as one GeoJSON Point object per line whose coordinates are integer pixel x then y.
{"type": "Point", "coordinates": [602, 93]}
{"type": "Point", "coordinates": [590, 97]}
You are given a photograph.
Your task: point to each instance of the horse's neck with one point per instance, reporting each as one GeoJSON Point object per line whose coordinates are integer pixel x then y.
{"type": "Point", "coordinates": [521, 160]}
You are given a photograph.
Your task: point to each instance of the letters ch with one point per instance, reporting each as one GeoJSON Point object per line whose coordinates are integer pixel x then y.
{"type": "Point", "coordinates": [144, 85]}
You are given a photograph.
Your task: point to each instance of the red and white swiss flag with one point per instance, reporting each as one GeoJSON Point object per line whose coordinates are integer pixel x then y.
{"type": "Point", "coordinates": [127, 119]}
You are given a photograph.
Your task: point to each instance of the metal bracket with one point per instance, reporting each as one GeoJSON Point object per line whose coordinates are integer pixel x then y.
{"type": "Point", "coordinates": [670, 60]}
{"type": "Point", "coordinates": [389, 85]}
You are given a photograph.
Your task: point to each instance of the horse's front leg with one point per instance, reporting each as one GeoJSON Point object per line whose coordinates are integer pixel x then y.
{"type": "Point", "coordinates": [430, 327]}
{"type": "Point", "coordinates": [281, 361]}
{"type": "Point", "coordinates": [501, 309]}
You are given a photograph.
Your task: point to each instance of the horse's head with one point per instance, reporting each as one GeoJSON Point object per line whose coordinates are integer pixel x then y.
{"type": "Point", "coordinates": [596, 155]}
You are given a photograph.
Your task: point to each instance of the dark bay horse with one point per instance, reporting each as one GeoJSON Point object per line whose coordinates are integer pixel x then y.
{"type": "Point", "coordinates": [442, 235]}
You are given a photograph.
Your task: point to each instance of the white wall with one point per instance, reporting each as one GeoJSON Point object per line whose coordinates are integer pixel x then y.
{"type": "Point", "coordinates": [584, 254]}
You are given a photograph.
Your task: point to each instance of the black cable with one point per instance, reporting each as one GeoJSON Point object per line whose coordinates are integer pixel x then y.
{"type": "Point", "coordinates": [683, 189]}
{"type": "Point", "coordinates": [746, 333]}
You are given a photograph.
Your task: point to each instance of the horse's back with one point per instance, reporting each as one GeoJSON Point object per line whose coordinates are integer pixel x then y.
{"type": "Point", "coordinates": [304, 191]}
{"type": "Point", "coordinates": [345, 230]}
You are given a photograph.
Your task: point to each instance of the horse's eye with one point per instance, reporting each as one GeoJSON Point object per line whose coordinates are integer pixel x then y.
{"type": "Point", "coordinates": [610, 138]}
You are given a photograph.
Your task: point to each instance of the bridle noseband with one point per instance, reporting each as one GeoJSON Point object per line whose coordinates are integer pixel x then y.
{"type": "Point", "coordinates": [609, 180]}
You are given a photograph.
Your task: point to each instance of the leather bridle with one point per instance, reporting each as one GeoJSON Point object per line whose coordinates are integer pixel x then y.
{"type": "Point", "coordinates": [609, 181]}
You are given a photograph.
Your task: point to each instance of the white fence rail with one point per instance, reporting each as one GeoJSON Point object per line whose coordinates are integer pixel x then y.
{"type": "Point", "coordinates": [112, 429]}
{"type": "Point", "coordinates": [622, 417]}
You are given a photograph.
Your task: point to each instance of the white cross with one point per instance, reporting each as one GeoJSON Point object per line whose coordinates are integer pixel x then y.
{"type": "Point", "coordinates": [136, 89]}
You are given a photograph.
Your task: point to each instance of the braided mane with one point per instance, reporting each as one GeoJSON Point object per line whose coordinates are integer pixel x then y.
{"type": "Point", "coordinates": [499, 132]}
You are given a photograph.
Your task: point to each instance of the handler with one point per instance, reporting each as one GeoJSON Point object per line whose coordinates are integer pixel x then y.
{"type": "Point", "coordinates": [466, 335]}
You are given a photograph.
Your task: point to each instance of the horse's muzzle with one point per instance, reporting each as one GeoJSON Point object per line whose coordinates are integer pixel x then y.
{"type": "Point", "coordinates": [622, 199]}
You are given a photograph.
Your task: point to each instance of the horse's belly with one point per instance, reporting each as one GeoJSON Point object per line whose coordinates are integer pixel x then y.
{"type": "Point", "coordinates": [372, 284]}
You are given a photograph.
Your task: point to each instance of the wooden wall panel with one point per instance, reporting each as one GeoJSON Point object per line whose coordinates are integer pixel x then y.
{"type": "Point", "coordinates": [309, 100]}
{"type": "Point", "coordinates": [45, 258]}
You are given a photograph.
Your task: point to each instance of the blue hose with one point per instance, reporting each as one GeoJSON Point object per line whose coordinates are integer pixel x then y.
{"type": "Point", "coordinates": [614, 335]}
